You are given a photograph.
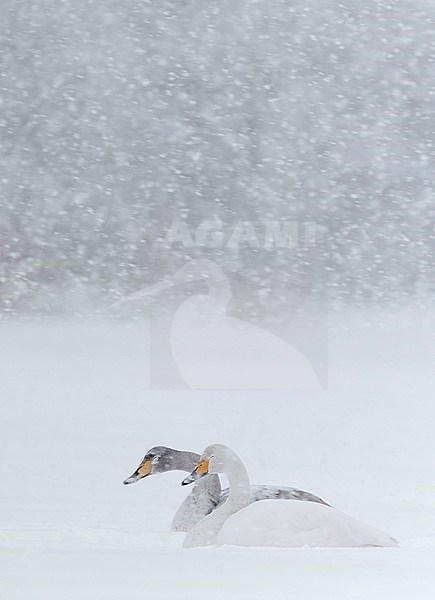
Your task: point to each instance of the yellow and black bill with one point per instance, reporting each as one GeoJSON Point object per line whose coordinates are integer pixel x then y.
{"type": "Point", "coordinates": [201, 470]}
{"type": "Point", "coordinates": [144, 469]}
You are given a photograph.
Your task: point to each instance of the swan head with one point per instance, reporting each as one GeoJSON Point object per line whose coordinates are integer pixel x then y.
{"type": "Point", "coordinates": [157, 460]}
{"type": "Point", "coordinates": [214, 459]}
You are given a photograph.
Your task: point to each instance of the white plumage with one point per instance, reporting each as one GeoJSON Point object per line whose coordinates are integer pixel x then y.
{"type": "Point", "coordinates": [296, 524]}
{"type": "Point", "coordinates": [272, 523]}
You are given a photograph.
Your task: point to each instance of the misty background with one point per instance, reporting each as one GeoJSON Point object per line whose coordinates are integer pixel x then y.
{"type": "Point", "coordinates": [119, 118]}
{"type": "Point", "coordinates": [127, 127]}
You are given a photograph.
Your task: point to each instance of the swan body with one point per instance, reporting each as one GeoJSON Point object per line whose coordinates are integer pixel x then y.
{"type": "Point", "coordinates": [296, 524]}
{"type": "Point", "coordinates": [207, 494]}
{"type": "Point", "coordinates": [266, 523]}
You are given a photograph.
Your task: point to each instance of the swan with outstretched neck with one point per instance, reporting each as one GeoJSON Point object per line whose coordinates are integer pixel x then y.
{"type": "Point", "coordinates": [270, 523]}
{"type": "Point", "coordinates": [207, 493]}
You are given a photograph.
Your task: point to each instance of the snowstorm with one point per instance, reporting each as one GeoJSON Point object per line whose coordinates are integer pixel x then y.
{"type": "Point", "coordinates": [217, 248]}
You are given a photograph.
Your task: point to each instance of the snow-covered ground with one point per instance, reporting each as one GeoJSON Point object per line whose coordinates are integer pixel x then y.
{"type": "Point", "coordinates": [77, 415]}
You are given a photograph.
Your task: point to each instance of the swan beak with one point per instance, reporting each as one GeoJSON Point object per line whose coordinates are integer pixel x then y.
{"type": "Point", "coordinates": [200, 470]}
{"type": "Point", "coordinates": [144, 469]}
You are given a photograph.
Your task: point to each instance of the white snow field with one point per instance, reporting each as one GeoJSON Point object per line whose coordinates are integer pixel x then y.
{"type": "Point", "coordinates": [77, 416]}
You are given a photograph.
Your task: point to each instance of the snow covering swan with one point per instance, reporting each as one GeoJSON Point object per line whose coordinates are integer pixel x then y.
{"type": "Point", "coordinates": [207, 493]}
{"type": "Point", "coordinates": [267, 523]}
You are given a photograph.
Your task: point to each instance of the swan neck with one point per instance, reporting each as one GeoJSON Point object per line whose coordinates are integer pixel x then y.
{"type": "Point", "coordinates": [240, 486]}
{"type": "Point", "coordinates": [185, 461]}
{"type": "Point", "coordinates": [204, 533]}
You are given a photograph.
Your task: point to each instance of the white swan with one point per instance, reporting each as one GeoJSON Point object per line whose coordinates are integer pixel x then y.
{"type": "Point", "coordinates": [267, 523]}
{"type": "Point", "coordinates": [207, 493]}
{"type": "Point", "coordinates": [215, 351]}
